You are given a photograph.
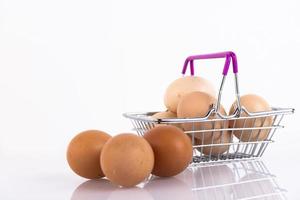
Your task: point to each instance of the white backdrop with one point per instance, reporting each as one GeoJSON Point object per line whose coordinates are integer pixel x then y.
{"type": "Point", "coordinates": [67, 66]}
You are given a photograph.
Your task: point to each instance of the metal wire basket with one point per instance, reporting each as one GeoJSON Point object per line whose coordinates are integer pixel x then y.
{"type": "Point", "coordinates": [222, 144]}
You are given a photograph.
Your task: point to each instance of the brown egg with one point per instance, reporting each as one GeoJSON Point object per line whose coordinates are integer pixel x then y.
{"type": "Point", "coordinates": [252, 103]}
{"type": "Point", "coordinates": [178, 88]}
{"type": "Point", "coordinates": [84, 151]}
{"type": "Point", "coordinates": [127, 159]}
{"type": "Point", "coordinates": [198, 104]}
{"type": "Point", "coordinates": [172, 150]}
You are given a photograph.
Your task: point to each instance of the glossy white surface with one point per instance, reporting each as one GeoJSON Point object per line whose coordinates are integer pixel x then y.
{"type": "Point", "coordinates": [45, 177]}
{"type": "Point", "coordinates": [243, 180]}
{"type": "Point", "coordinates": [188, 185]}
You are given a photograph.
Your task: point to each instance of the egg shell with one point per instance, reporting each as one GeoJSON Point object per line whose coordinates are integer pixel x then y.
{"type": "Point", "coordinates": [198, 104]}
{"type": "Point", "coordinates": [214, 150]}
{"type": "Point", "coordinates": [172, 150]}
{"type": "Point", "coordinates": [184, 85]}
{"type": "Point", "coordinates": [165, 115]}
{"type": "Point", "coordinates": [127, 159]}
{"type": "Point", "coordinates": [84, 151]}
{"type": "Point", "coordinates": [252, 103]}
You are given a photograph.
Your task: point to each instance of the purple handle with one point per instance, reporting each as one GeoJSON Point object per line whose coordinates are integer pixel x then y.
{"type": "Point", "coordinates": [229, 55]}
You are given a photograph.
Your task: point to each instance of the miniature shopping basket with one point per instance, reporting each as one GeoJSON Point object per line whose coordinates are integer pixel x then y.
{"type": "Point", "coordinates": [223, 148]}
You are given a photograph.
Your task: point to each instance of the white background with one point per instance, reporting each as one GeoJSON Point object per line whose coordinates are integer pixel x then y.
{"type": "Point", "coordinates": [68, 66]}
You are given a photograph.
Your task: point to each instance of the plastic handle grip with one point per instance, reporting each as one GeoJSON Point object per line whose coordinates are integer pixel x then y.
{"type": "Point", "coordinates": [229, 55]}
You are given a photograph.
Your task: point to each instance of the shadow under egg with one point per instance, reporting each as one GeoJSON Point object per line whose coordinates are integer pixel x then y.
{"type": "Point", "coordinates": [168, 188]}
{"type": "Point", "coordinates": [93, 190]}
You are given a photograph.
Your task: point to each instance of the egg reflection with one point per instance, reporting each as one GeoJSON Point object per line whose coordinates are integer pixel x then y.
{"type": "Point", "coordinates": [169, 188]}
{"type": "Point", "coordinates": [105, 190]}
{"type": "Point", "coordinates": [130, 193]}
{"type": "Point", "coordinates": [93, 190]}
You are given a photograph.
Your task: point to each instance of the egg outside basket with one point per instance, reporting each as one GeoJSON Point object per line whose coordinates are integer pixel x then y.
{"type": "Point", "coordinates": [249, 147]}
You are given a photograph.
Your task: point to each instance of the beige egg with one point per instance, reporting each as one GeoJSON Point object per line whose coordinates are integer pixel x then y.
{"type": "Point", "coordinates": [214, 149]}
{"type": "Point", "coordinates": [178, 88]}
{"type": "Point", "coordinates": [198, 104]}
{"type": "Point", "coordinates": [166, 115]}
{"type": "Point", "coordinates": [252, 103]}
{"type": "Point", "coordinates": [127, 159]}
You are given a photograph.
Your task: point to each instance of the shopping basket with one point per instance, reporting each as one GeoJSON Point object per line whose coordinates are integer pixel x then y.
{"type": "Point", "coordinates": [237, 149]}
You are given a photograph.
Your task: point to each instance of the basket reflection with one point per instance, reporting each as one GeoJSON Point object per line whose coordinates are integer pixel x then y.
{"type": "Point", "coordinates": [235, 180]}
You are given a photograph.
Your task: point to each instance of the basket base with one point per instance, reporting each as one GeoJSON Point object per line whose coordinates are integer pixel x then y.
{"type": "Point", "coordinates": [199, 160]}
